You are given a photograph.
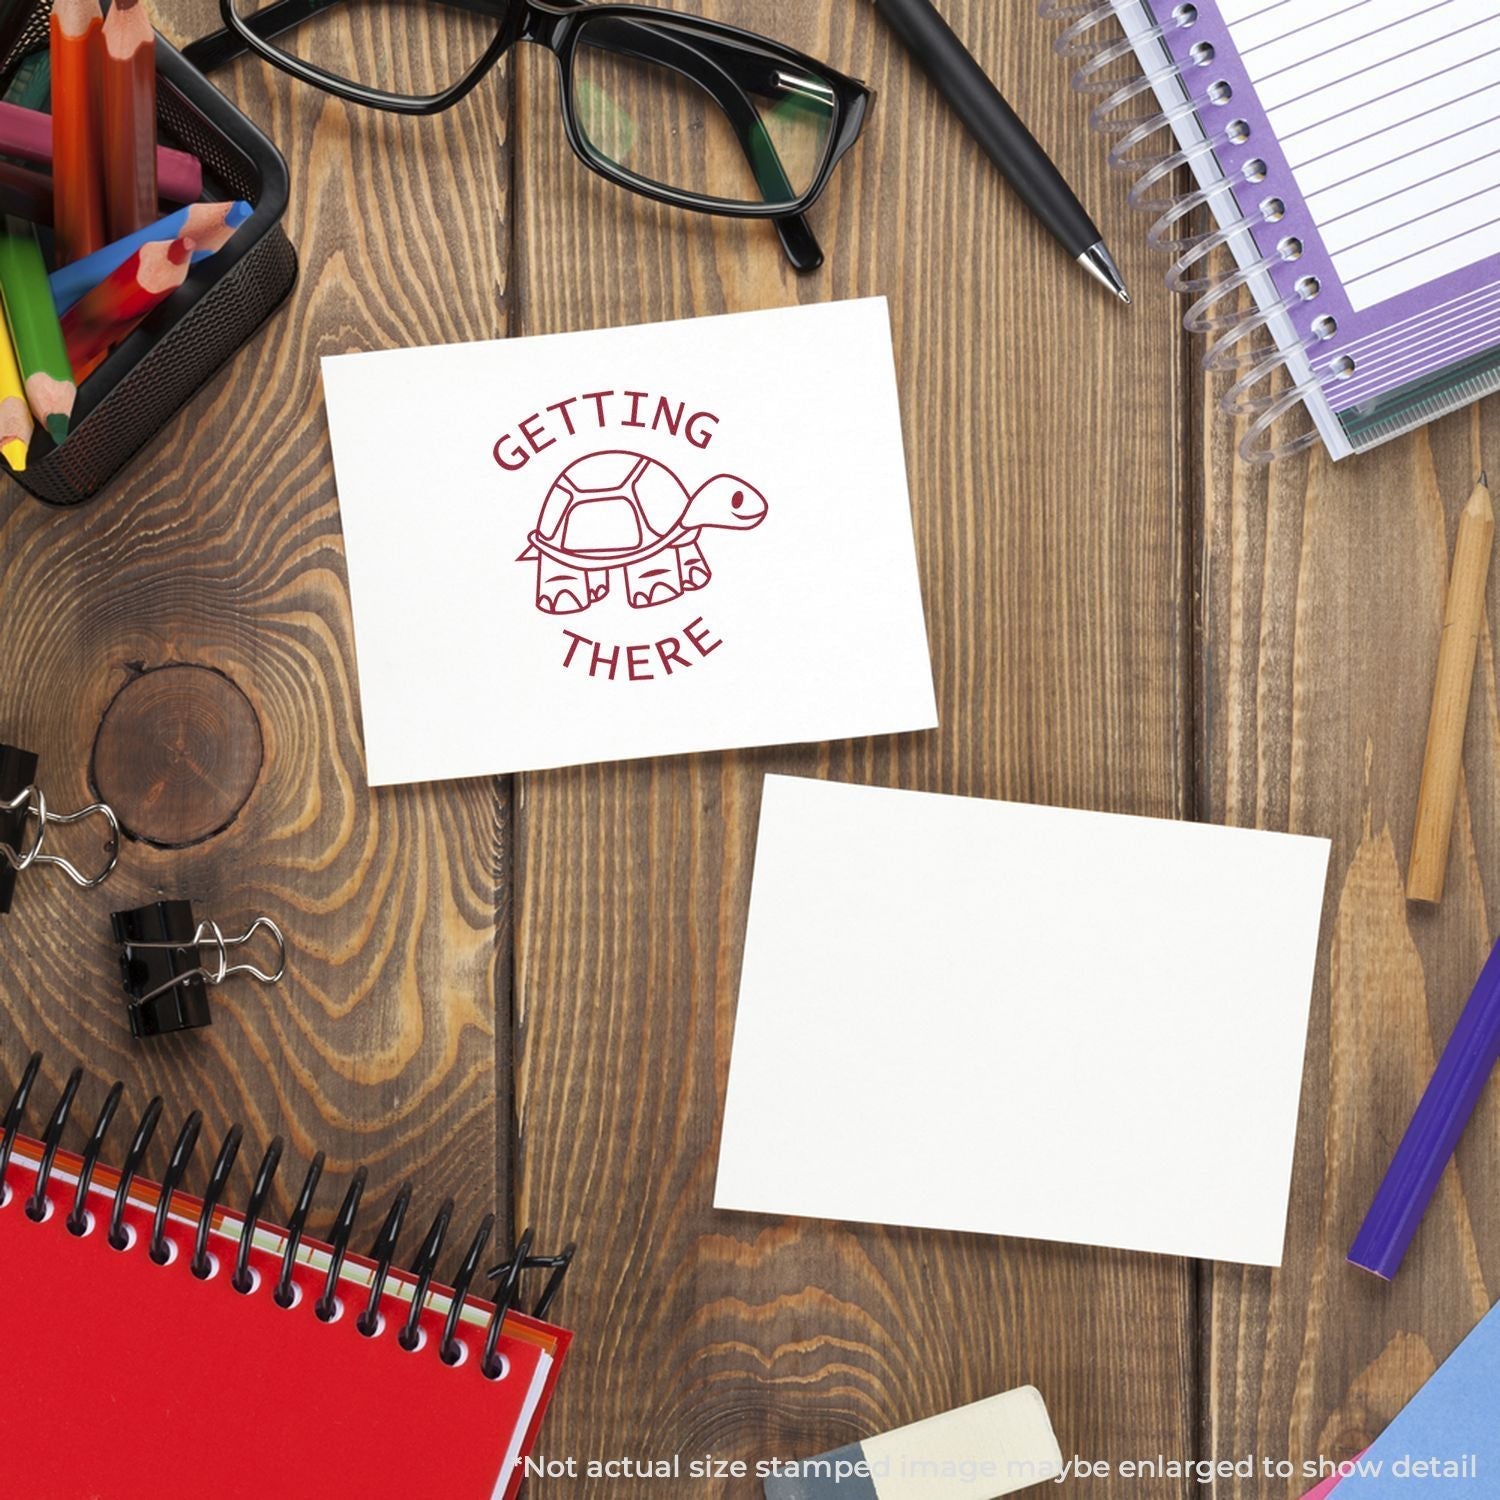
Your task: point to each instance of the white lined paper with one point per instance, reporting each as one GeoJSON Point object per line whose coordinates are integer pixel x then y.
{"type": "Point", "coordinates": [1389, 114]}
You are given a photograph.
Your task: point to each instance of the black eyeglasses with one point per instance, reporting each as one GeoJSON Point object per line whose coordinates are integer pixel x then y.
{"type": "Point", "coordinates": [679, 109]}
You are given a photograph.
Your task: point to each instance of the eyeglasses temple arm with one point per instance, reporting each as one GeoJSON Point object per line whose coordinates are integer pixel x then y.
{"type": "Point", "coordinates": [798, 241]}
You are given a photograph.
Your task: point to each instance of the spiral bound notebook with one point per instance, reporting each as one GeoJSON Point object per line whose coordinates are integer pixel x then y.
{"type": "Point", "coordinates": [130, 1376]}
{"type": "Point", "coordinates": [1347, 151]}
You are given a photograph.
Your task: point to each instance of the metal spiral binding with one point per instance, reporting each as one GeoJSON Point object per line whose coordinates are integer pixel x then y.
{"type": "Point", "coordinates": [370, 1323]}
{"type": "Point", "coordinates": [1119, 114]}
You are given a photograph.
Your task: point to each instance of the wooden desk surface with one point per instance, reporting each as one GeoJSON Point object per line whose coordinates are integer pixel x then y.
{"type": "Point", "coordinates": [521, 991]}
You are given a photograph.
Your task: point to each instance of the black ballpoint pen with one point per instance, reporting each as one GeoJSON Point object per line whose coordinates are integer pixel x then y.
{"type": "Point", "coordinates": [997, 128]}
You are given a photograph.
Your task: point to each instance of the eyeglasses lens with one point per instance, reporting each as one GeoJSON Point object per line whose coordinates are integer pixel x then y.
{"type": "Point", "coordinates": [676, 107]}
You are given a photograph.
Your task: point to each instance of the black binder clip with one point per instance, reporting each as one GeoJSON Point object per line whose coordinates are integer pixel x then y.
{"type": "Point", "coordinates": [166, 977]}
{"type": "Point", "coordinates": [25, 820]}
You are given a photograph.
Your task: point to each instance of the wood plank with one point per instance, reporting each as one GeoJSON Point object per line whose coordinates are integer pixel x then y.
{"type": "Point", "coordinates": [222, 550]}
{"type": "Point", "coordinates": [1322, 607]}
{"type": "Point", "coordinates": [1045, 456]}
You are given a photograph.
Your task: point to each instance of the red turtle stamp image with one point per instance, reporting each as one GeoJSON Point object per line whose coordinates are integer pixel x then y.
{"type": "Point", "coordinates": [623, 513]}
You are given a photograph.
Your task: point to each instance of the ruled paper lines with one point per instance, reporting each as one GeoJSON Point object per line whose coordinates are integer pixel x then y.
{"type": "Point", "coordinates": [1398, 204]}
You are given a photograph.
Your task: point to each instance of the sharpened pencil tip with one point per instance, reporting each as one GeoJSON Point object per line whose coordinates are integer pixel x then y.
{"type": "Point", "coordinates": [1484, 478]}
{"type": "Point", "coordinates": [57, 427]}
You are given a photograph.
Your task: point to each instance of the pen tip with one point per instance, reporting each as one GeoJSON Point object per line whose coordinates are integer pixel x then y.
{"type": "Point", "coordinates": [1098, 262]}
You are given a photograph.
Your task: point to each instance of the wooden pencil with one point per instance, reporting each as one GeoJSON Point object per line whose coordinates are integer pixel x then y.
{"type": "Point", "coordinates": [208, 225]}
{"type": "Point", "coordinates": [98, 321]}
{"type": "Point", "coordinates": [78, 182]}
{"type": "Point", "coordinates": [35, 330]}
{"type": "Point", "coordinates": [28, 194]}
{"type": "Point", "coordinates": [1463, 618]}
{"type": "Point", "coordinates": [128, 91]}
{"type": "Point", "coordinates": [16, 424]}
{"type": "Point", "coordinates": [25, 193]}
{"type": "Point", "coordinates": [26, 134]}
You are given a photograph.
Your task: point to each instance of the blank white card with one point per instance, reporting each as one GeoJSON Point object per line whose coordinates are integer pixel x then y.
{"type": "Point", "coordinates": [1017, 1020]}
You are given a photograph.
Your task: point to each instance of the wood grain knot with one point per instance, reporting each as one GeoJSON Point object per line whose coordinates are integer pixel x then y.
{"type": "Point", "coordinates": [178, 753]}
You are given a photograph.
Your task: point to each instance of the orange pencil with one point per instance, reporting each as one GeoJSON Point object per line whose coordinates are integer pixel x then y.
{"type": "Point", "coordinates": [99, 320]}
{"type": "Point", "coordinates": [128, 119]}
{"type": "Point", "coordinates": [78, 184]}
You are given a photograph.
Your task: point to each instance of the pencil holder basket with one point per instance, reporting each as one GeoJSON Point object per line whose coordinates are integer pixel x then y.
{"type": "Point", "coordinates": [167, 361]}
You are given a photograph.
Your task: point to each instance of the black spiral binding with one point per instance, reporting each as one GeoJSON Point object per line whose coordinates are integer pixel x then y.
{"type": "Point", "coordinates": [369, 1323]}
{"type": "Point", "coordinates": [12, 1122]}
{"type": "Point", "coordinates": [202, 1265]}
{"type": "Point", "coordinates": [182, 1154]}
{"type": "Point", "coordinates": [78, 1217]}
{"type": "Point", "coordinates": [385, 1249]}
{"type": "Point", "coordinates": [410, 1337]}
{"type": "Point", "coordinates": [450, 1351]}
{"type": "Point", "coordinates": [343, 1226]}
{"type": "Point", "coordinates": [285, 1293]}
{"type": "Point", "coordinates": [242, 1280]}
{"type": "Point", "coordinates": [118, 1239]}
{"type": "Point", "coordinates": [36, 1209]}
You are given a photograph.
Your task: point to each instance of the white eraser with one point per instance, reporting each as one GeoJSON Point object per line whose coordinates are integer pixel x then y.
{"type": "Point", "coordinates": [979, 1452]}
{"type": "Point", "coordinates": [1006, 1439]}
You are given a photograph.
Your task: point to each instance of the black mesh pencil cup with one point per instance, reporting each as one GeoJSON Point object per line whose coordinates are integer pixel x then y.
{"type": "Point", "coordinates": [167, 361]}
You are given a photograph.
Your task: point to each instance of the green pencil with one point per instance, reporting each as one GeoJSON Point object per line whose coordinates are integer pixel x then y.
{"type": "Point", "coordinates": [34, 328]}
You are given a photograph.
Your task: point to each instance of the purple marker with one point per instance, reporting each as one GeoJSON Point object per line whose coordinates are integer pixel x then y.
{"type": "Point", "coordinates": [1433, 1135]}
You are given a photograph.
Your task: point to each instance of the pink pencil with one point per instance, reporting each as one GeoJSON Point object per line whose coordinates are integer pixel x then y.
{"type": "Point", "coordinates": [26, 134]}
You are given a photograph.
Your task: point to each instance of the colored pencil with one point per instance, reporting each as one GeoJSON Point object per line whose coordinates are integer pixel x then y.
{"type": "Point", "coordinates": [16, 425]}
{"type": "Point", "coordinates": [208, 225]}
{"type": "Point", "coordinates": [128, 119]}
{"type": "Point", "coordinates": [1463, 622]}
{"type": "Point", "coordinates": [25, 193]}
{"type": "Point", "coordinates": [35, 330]}
{"type": "Point", "coordinates": [1433, 1135]}
{"type": "Point", "coordinates": [78, 183]}
{"type": "Point", "coordinates": [27, 135]}
{"type": "Point", "coordinates": [98, 321]}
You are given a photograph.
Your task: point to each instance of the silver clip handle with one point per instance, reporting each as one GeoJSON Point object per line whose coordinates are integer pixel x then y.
{"type": "Point", "coordinates": [33, 804]}
{"type": "Point", "coordinates": [221, 969]}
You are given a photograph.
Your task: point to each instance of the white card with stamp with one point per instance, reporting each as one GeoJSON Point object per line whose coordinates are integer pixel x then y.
{"type": "Point", "coordinates": [639, 541]}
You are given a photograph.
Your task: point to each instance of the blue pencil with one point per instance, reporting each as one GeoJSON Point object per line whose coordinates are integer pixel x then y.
{"type": "Point", "coordinates": [209, 224]}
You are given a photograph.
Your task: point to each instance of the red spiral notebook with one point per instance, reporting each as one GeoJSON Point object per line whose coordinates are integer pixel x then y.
{"type": "Point", "coordinates": [130, 1380]}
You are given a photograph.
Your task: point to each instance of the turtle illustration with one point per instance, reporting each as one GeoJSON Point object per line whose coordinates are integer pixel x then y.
{"type": "Point", "coordinates": [624, 510]}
